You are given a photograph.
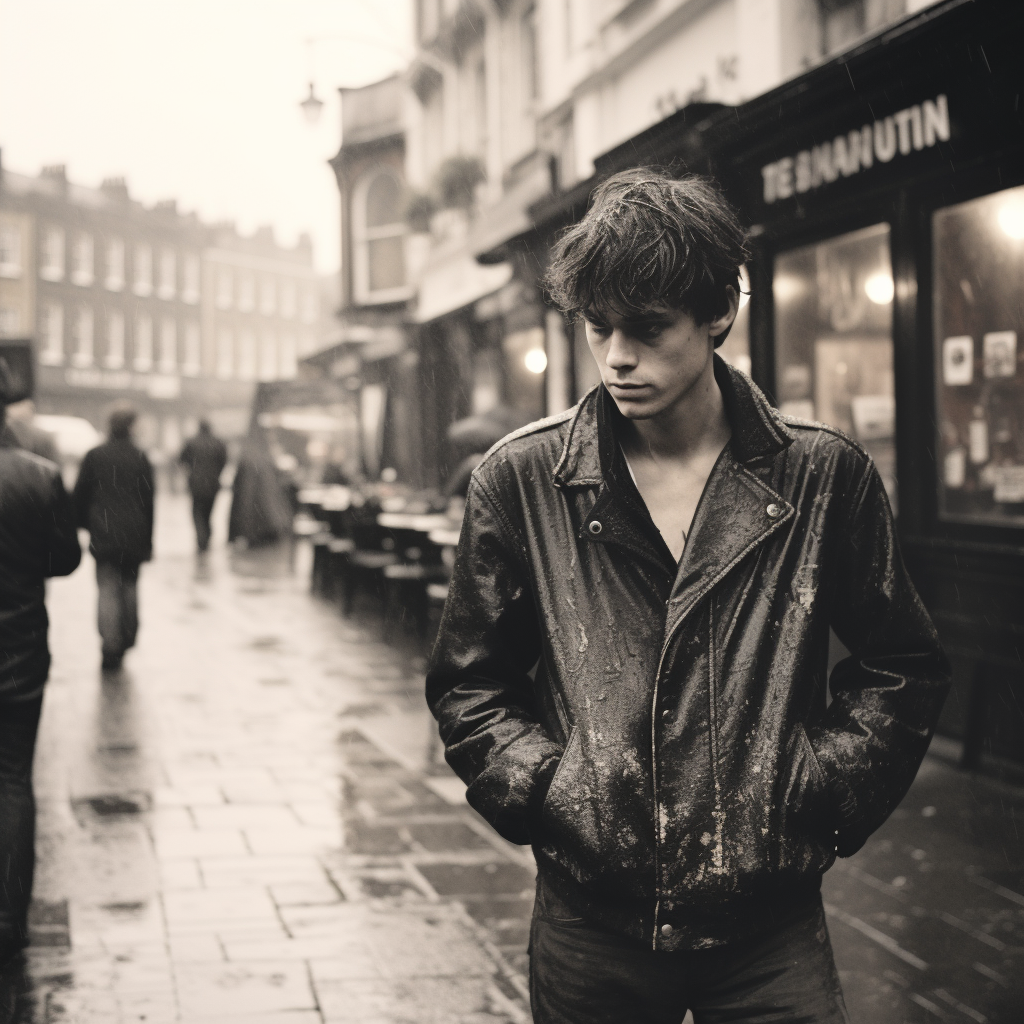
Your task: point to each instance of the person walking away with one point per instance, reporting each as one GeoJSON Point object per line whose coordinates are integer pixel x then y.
{"type": "Point", "coordinates": [204, 457]}
{"type": "Point", "coordinates": [631, 669]}
{"type": "Point", "coordinates": [38, 538]}
{"type": "Point", "coordinates": [260, 511]}
{"type": "Point", "coordinates": [114, 500]}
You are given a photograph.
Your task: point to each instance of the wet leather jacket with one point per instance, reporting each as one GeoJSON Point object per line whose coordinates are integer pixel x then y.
{"type": "Point", "coordinates": [666, 735]}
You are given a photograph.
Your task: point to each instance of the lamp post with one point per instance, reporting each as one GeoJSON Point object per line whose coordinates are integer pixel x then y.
{"type": "Point", "coordinates": [312, 105]}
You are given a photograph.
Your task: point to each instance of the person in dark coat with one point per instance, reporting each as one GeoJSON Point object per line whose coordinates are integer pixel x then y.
{"type": "Point", "coordinates": [38, 539]}
{"type": "Point", "coordinates": [260, 511]}
{"type": "Point", "coordinates": [114, 499]}
{"type": "Point", "coordinates": [204, 456]}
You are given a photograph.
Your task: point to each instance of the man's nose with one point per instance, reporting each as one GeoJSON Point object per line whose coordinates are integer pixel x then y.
{"type": "Point", "coordinates": [621, 351]}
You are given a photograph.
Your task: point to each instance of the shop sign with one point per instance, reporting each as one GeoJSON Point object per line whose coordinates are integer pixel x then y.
{"type": "Point", "coordinates": [156, 385]}
{"type": "Point", "coordinates": [915, 128]}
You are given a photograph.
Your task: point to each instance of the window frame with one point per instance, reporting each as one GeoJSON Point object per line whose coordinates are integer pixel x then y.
{"type": "Point", "coordinates": [363, 235]}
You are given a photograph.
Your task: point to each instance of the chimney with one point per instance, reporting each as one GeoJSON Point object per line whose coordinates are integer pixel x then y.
{"type": "Point", "coordinates": [115, 188]}
{"type": "Point", "coordinates": [169, 206]}
{"type": "Point", "coordinates": [58, 174]}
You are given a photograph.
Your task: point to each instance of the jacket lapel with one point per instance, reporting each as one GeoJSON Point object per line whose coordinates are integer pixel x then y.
{"type": "Point", "coordinates": [736, 514]}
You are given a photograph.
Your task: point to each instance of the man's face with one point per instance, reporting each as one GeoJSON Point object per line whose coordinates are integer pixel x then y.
{"type": "Point", "coordinates": [650, 364]}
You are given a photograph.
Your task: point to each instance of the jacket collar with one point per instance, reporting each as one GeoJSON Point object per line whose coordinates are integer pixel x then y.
{"type": "Point", "coordinates": [756, 430]}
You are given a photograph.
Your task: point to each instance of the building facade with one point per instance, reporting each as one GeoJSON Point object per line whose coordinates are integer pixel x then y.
{"type": "Point", "coordinates": [121, 303]}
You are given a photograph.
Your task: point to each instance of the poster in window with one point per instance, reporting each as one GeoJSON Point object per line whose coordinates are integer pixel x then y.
{"type": "Point", "coordinates": [957, 361]}
{"type": "Point", "coordinates": [999, 353]}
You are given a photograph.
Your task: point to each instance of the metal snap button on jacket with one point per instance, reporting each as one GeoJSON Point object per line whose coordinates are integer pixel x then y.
{"type": "Point", "coordinates": [667, 930]}
{"type": "Point", "coordinates": [595, 527]}
{"type": "Point", "coordinates": [774, 511]}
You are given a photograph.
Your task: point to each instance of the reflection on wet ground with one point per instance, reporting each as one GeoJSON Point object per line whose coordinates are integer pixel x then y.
{"type": "Point", "coordinates": [251, 822]}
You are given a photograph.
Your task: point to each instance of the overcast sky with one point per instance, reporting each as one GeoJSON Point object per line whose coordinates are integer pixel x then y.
{"type": "Point", "coordinates": [194, 99]}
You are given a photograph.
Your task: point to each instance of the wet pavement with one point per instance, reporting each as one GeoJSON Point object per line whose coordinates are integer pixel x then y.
{"type": "Point", "coordinates": [252, 823]}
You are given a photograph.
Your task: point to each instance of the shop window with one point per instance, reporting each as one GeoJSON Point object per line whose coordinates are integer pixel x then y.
{"type": "Point", "coordinates": [51, 329]}
{"type": "Point", "coordinates": [168, 272]}
{"type": "Point", "coordinates": [51, 262]}
{"type": "Point", "coordinates": [225, 354]}
{"type": "Point", "coordinates": [114, 358]}
{"type": "Point", "coordinates": [81, 337]}
{"type": "Point", "coordinates": [10, 250]}
{"type": "Point", "coordinates": [979, 364]}
{"type": "Point", "coordinates": [379, 239]}
{"type": "Point", "coordinates": [114, 280]}
{"type": "Point", "coordinates": [168, 346]}
{"type": "Point", "coordinates": [833, 340]}
{"type": "Point", "coordinates": [143, 360]}
{"type": "Point", "coordinates": [143, 279]}
{"type": "Point", "coordinates": [192, 364]}
{"type": "Point", "coordinates": [81, 260]}
{"type": "Point", "coordinates": [190, 288]}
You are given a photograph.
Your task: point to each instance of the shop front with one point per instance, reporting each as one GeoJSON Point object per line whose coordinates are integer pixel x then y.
{"type": "Point", "coordinates": [886, 196]}
{"type": "Point", "coordinates": [884, 191]}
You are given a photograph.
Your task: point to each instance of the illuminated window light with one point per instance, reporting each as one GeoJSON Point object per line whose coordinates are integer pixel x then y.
{"type": "Point", "coordinates": [879, 288]}
{"type": "Point", "coordinates": [536, 360]}
{"type": "Point", "coordinates": [1011, 220]}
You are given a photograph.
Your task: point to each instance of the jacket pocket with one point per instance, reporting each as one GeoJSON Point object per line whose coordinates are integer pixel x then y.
{"type": "Point", "coordinates": [806, 831]}
{"type": "Point", "coordinates": [553, 800]}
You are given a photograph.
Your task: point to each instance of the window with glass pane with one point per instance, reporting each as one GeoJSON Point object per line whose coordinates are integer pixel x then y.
{"type": "Point", "coordinates": [383, 235]}
{"type": "Point", "coordinates": [833, 340]}
{"type": "Point", "coordinates": [979, 367]}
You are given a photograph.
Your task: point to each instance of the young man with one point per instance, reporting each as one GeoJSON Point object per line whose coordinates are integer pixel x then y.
{"type": "Point", "coordinates": [631, 669]}
{"type": "Point", "coordinates": [114, 500]}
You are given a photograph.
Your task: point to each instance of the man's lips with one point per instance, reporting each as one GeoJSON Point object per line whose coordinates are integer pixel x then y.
{"type": "Point", "coordinates": [626, 386]}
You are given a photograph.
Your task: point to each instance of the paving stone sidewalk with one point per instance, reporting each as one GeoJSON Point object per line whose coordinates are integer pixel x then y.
{"type": "Point", "coordinates": [253, 823]}
{"type": "Point", "coordinates": [246, 824]}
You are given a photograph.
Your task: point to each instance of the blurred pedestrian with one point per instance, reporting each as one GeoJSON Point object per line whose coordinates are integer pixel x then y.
{"type": "Point", "coordinates": [260, 510]}
{"type": "Point", "coordinates": [204, 456]}
{"type": "Point", "coordinates": [38, 539]}
{"type": "Point", "coordinates": [114, 499]}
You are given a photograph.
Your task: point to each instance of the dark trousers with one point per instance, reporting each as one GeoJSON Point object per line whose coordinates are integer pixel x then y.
{"type": "Point", "coordinates": [202, 509]}
{"type": "Point", "coordinates": [117, 606]}
{"type": "Point", "coordinates": [19, 723]}
{"type": "Point", "coordinates": [580, 975]}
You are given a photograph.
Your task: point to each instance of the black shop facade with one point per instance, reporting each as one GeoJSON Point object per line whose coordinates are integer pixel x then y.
{"type": "Point", "coordinates": [884, 191]}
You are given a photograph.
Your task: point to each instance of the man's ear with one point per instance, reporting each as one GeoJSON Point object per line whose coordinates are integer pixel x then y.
{"type": "Point", "coordinates": [721, 324]}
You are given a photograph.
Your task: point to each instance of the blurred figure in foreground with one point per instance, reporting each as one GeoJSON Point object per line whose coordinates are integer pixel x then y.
{"type": "Point", "coordinates": [260, 511]}
{"type": "Point", "coordinates": [114, 499]}
{"type": "Point", "coordinates": [204, 456]}
{"type": "Point", "coordinates": [20, 417]}
{"type": "Point", "coordinates": [38, 539]}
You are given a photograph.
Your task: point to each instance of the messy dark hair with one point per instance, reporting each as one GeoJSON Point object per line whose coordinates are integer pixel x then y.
{"type": "Point", "coordinates": [648, 246]}
{"type": "Point", "coordinates": [122, 419]}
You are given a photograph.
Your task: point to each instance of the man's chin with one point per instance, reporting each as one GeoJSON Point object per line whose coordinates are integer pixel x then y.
{"type": "Point", "coordinates": [637, 408]}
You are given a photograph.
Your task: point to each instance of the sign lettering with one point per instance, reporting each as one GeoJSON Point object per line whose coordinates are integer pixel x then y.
{"type": "Point", "coordinates": [915, 128]}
